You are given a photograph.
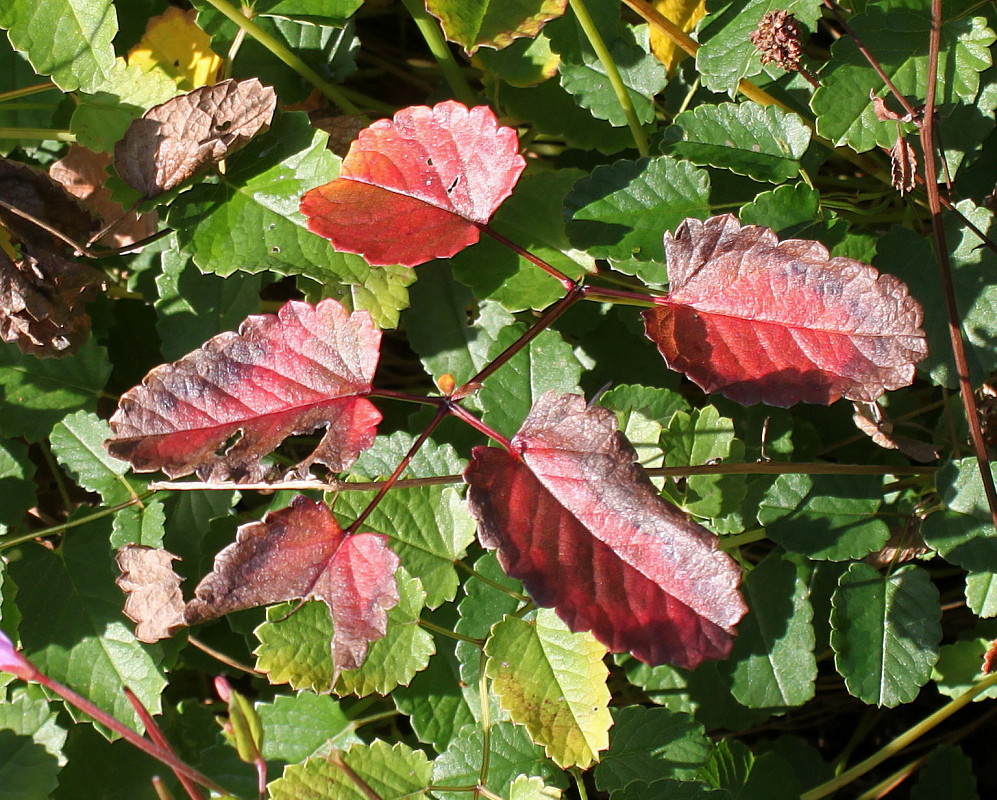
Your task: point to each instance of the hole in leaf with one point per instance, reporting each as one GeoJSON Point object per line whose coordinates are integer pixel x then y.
{"type": "Point", "coordinates": [453, 185]}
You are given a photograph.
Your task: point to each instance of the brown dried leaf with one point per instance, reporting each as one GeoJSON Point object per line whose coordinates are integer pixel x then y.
{"type": "Point", "coordinates": [176, 140]}
{"type": "Point", "coordinates": [343, 129]}
{"type": "Point", "coordinates": [83, 173]}
{"type": "Point", "coordinates": [873, 422]}
{"type": "Point", "coordinates": [154, 600]}
{"type": "Point", "coordinates": [36, 194]}
{"type": "Point", "coordinates": [903, 165]}
{"type": "Point", "coordinates": [903, 545]}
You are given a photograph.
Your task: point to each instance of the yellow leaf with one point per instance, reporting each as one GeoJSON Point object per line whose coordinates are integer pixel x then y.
{"type": "Point", "coordinates": [686, 14]}
{"type": "Point", "coordinates": [173, 44]}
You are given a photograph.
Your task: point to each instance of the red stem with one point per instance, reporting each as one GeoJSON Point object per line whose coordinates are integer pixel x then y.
{"type": "Point", "coordinates": [944, 265]}
{"type": "Point", "coordinates": [564, 280]}
{"type": "Point", "coordinates": [466, 416]}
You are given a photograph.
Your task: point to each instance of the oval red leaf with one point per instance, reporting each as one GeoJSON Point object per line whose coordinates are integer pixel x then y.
{"type": "Point", "coordinates": [419, 186]}
{"type": "Point", "coordinates": [579, 522]}
{"type": "Point", "coordinates": [760, 320]}
{"type": "Point", "coordinates": [283, 375]}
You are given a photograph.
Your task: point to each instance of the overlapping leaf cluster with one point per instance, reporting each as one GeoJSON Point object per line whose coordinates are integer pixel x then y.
{"type": "Point", "coordinates": [787, 569]}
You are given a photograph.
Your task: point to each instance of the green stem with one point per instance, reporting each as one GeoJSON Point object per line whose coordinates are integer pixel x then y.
{"type": "Point", "coordinates": [901, 742]}
{"type": "Point", "coordinates": [41, 134]}
{"type": "Point", "coordinates": [579, 783]}
{"type": "Point", "coordinates": [26, 91]}
{"type": "Point", "coordinates": [615, 79]}
{"type": "Point", "coordinates": [494, 584]}
{"type": "Point", "coordinates": [280, 50]}
{"type": "Point", "coordinates": [430, 30]}
{"type": "Point", "coordinates": [739, 540]}
{"type": "Point", "coordinates": [432, 626]}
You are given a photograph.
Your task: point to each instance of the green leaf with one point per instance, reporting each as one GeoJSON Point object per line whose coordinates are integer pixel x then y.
{"type": "Point", "coordinates": [34, 717]}
{"type": "Point", "coordinates": [727, 54]}
{"type": "Point", "coordinates": [547, 364]}
{"type": "Point", "coordinates": [783, 207]}
{"type": "Point", "coordinates": [948, 773]}
{"type": "Point", "coordinates": [958, 668]}
{"type": "Point", "coordinates": [622, 210]}
{"type": "Point", "coordinates": [655, 403]}
{"type": "Point", "coordinates": [17, 489]}
{"type": "Point", "coordinates": [27, 770]}
{"type": "Point", "coordinates": [383, 292]}
{"type": "Point", "coordinates": [391, 773]}
{"type": "Point", "coordinates": [67, 39]}
{"type": "Point", "coordinates": [38, 392]}
{"type": "Point", "coordinates": [963, 533]}
{"type": "Point", "coordinates": [432, 459]}
{"type": "Point", "coordinates": [37, 111]}
{"type": "Point", "coordinates": [193, 307]}
{"type": "Point", "coordinates": [698, 438]}
{"type": "Point", "coordinates": [299, 726]}
{"type": "Point", "coordinates": [647, 744]}
{"type": "Point", "coordinates": [885, 633]}
{"type": "Point", "coordinates": [492, 23]}
{"type": "Point", "coordinates": [434, 701]}
{"type": "Point", "coordinates": [526, 788]}
{"type": "Point", "coordinates": [844, 113]}
{"type": "Point", "coordinates": [511, 755]}
{"type": "Point", "coordinates": [441, 325]}
{"type": "Point", "coordinates": [250, 221]}
{"type": "Point", "coordinates": [429, 527]}
{"type": "Point", "coordinates": [762, 142]}
{"type": "Point", "coordinates": [981, 593]}
{"type": "Point", "coordinates": [526, 62]}
{"type": "Point", "coordinates": [824, 517]}
{"type": "Point", "coordinates": [532, 219]}
{"type": "Point", "coordinates": [100, 769]}
{"type": "Point", "coordinates": [584, 77]}
{"type": "Point", "coordinates": [296, 650]}
{"type": "Point", "coordinates": [73, 628]}
{"type": "Point", "coordinates": [102, 117]}
{"type": "Point", "coordinates": [734, 768]}
{"type": "Point", "coordinates": [772, 664]}
{"type": "Point", "coordinates": [328, 12]}
{"type": "Point", "coordinates": [552, 681]}
{"type": "Point", "coordinates": [142, 523]}
{"type": "Point", "coordinates": [78, 444]}
{"type": "Point", "coordinates": [669, 789]}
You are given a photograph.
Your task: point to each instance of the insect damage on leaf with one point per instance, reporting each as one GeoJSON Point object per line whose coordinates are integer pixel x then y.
{"type": "Point", "coordinates": [220, 409]}
{"type": "Point", "coordinates": [42, 291]}
{"type": "Point", "coordinates": [435, 175]}
{"type": "Point", "coordinates": [575, 518]}
{"type": "Point", "coordinates": [186, 135]}
{"type": "Point", "coordinates": [757, 319]}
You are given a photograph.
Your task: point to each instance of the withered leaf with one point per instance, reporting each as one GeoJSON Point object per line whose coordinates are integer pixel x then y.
{"type": "Point", "coordinates": [153, 600]}
{"type": "Point", "coordinates": [873, 422]}
{"type": "Point", "coordinates": [174, 141]}
{"type": "Point", "coordinates": [36, 194]}
{"type": "Point", "coordinates": [757, 319]}
{"type": "Point", "coordinates": [220, 409]}
{"type": "Point", "coordinates": [300, 552]}
{"type": "Point", "coordinates": [903, 165]}
{"type": "Point", "coordinates": [573, 516]}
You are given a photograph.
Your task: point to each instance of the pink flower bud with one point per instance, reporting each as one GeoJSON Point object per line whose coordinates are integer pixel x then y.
{"type": "Point", "coordinates": [13, 662]}
{"type": "Point", "coordinates": [223, 688]}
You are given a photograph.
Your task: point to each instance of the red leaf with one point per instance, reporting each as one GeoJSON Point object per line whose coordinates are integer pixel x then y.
{"type": "Point", "coordinates": [759, 320]}
{"type": "Point", "coordinates": [283, 375]}
{"type": "Point", "coordinates": [300, 552]}
{"type": "Point", "coordinates": [582, 526]}
{"type": "Point", "coordinates": [418, 187]}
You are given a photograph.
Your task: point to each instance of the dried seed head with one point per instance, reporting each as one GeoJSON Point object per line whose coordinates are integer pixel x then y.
{"type": "Point", "coordinates": [778, 39]}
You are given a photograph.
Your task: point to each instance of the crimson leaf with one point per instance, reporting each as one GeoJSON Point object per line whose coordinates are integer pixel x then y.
{"type": "Point", "coordinates": [579, 522]}
{"type": "Point", "coordinates": [781, 322]}
{"type": "Point", "coordinates": [278, 376]}
{"type": "Point", "coordinates": [437, 174]}
{"type": "Point", "coordinates": [301, 552]}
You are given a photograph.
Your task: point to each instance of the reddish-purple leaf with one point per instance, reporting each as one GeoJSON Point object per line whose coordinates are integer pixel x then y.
{"type": "Point", "coordinates": [300, 552]}
{"type": "Point", "coordinates": [579, 522]}
{"type": "Point", "coordinates": [283, 375]}
{"type": "Point", "coordinates": [419, 186]}
{"type": "Point", "coordinates": [781, 322]}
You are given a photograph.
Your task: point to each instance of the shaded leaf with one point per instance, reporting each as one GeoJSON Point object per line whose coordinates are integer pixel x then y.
{"type": "Point", "coordinates": [885, 633]}
{"type": "Point", "coordinates": [553, 682]}
{"type": "Point", "coordinates": [301, 553]}
{"type": "Point", "coordinates": [575, 518]}
{"type": "Point", "coordinates": [963, 532]}
{"type": "Point", "coordinates": [780, 322]}
{"type": "Point", "coordinates": [493, 23]}
{"type": "Point", "coordinates": [948, 773]}
{"type": "Point", "coordinates": [960, 667]}
{"type": "Point", "coordinates": [302, 725]}
{"type": "Point", "coordinates": [280, 375]}
{"type": "Point", "coordinates": [27, 771]}
{"type": "Point", "coordinates": [172, 43]}
{"type": "Point", "coordinates": [437, 173]}
{"type": "Point", "coordinates": [67, 39]}
{"type": "Point", "coordinates": [651, 743]}
{"type": "Point", "coordinates": [186, 135]}
{"type": "Point", "coordinates": [153, 597]}
{"type": "Point", "coordinates": [17, 489]}
{"type": "Point", "coordinates": [34, 717]}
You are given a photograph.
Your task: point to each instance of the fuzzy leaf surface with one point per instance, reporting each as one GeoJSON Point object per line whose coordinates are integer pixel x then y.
{"type": "Point", "coordinates": [581, 525]}
{"type": "Point", "coordinates": [552, 681]}
{"type": "Point", "coordinates": [292, 373]}
{"type": "Point", "coordinates": [437, 174]}
{"type": "Point", "coordinates": [493, 23]}
{"type": "Point", "coordinates": [300, 552]}
{"type": "Point", "coordinates": [885, 633]}
{"type": "Point", "coordinates": [781, 322]}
